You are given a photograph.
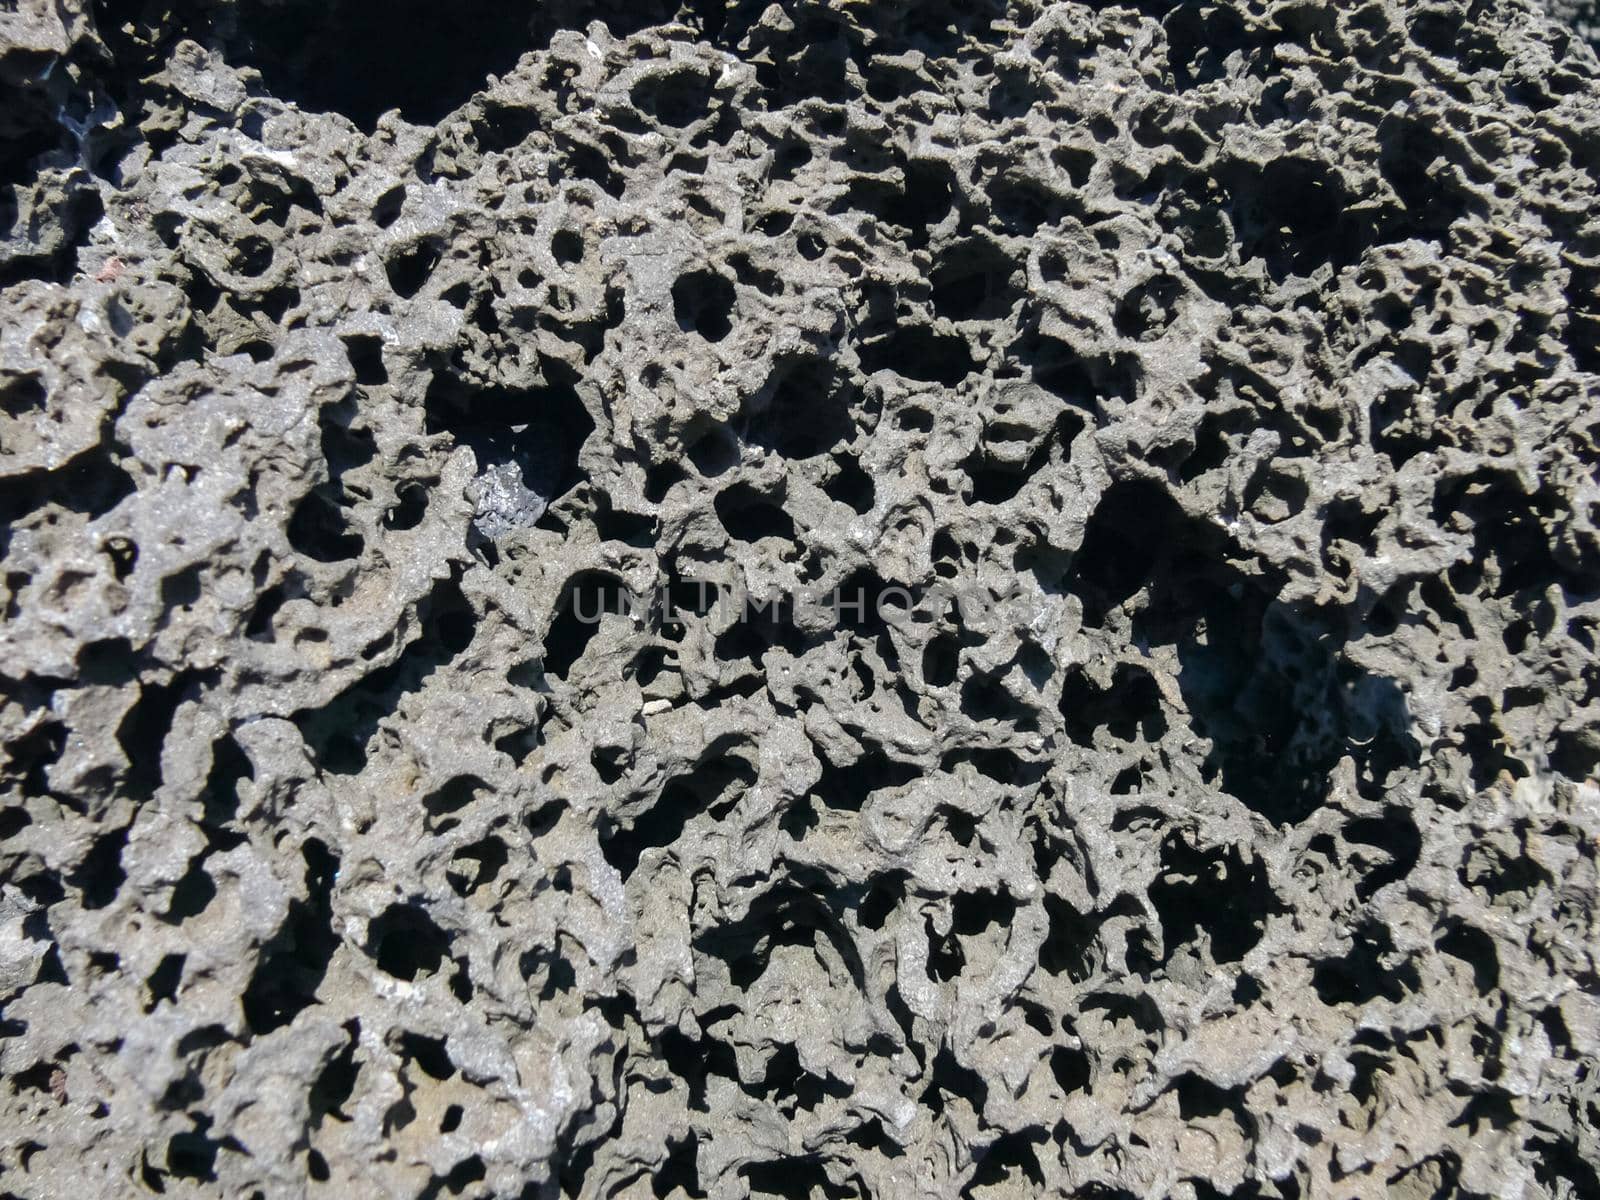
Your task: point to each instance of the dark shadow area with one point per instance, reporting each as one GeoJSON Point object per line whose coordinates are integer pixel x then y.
{"type": "Point", "coordinates": [586, 600]}
{"type": "Point", "coordinates": [1267, 683]}
{"type": "Point", "coordinates": [144, 729]}
{"type": "Point", "coordinates": [749, 515]}
{"type": "Point", "coordinates": [916, 352]}
{"type": "Point", "coordinates": [361, 59]}
{"type": "Point", "coordinates": [1216, 894]}
{"type": "Point", "coordinates": [339, 731]}
{"type": "Point", "coordinates": [293, 964]}
{"type": "Point", "coordinates": [794, 913]}
{"type": "Point", "coordinates": [702, 301]}
{"type": "Point", "coordinates": [713, 787]}
{"type": "Point", "coordinates": [1010, 1161]}
{"type": "Point", "coordinates": [1130, 709]}
{"type": "Point", "coordinates": [1294, 214]}
{"type": "Point", "coordinates": [1372, 968]}
{"type": "Point", "coordinates": [997, 474]}
{"type": "Point", "coordinates": [676, 98]}
{"type": "Point", "coordinates": [539, 432]}
{"type": "Point", "coordinates": [803, 411]}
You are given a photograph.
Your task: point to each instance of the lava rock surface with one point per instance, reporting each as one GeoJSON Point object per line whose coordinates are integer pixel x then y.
{"type": "Point", "coordinates": [1192, 405]}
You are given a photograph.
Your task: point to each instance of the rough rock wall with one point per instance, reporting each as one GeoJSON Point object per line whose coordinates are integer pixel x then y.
{"type": "Point", "coordinates": [1208, 391]}
{"type": "Point", "coordinates": [1580, 14]}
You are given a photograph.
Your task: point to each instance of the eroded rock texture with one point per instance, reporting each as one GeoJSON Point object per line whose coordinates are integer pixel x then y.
{"type": "Point", "coordinates": [1208, 390]}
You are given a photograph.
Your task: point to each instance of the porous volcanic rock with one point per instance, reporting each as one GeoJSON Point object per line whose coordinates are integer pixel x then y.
{"type": "Point", "coordinates": [1192, 408]}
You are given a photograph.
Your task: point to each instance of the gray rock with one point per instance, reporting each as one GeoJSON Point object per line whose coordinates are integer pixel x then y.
{"type": "Point", "coordinates": [435, 441]}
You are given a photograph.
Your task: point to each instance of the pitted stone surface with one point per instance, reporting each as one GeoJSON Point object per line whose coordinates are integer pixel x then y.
{"type": "Point", "coordinates": [1207, 391]}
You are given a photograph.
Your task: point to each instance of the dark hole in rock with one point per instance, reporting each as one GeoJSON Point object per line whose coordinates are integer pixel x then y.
{"type": "Point", "coordinates": [703, 303]}
{"type": "Point", "coordinates": [1265, 682]}
{"type": "Point", "coordinates": [715, 452]}
{"type": "Point", "coordinates": [409, 270]}
{"type": "Point", "coordinates": [294, 963]}
{"type": "Point", "coordinates": [318, 530]}
{"type": "Point", "coordinates": [252, 255]}
{"type": "Point", "coordinates": [1395, 835]}
{"type": "Point", "coordinates": [924, 201]}
{"type": "Point", "coordinates": [1416, 160]}
{"type": "Point", "coordinates": [429, 1053]}
{"type": "Point", "coordinates": [791, 1086]}
{"type": "Point", "coordinates": [336, 1082]}
{"type": "Point", "coordinates": [880, 901]}
{"type": "Point", "coordinates": [1145, 312]}
{"type": "Point", "coordinates": [916, 352]}
{"type": "Point", "coordinates": [846, 788]}
{"type": "Point", "coordinates": [1199, 41]}
{"type": "Point", "coordinates": [1070, 1068]}
{"type": "Point", "coordinates": [339, 731]}
{"type": "Point", "coordinates": [940, 659]}
{"type": "Point", "coordinates": [1561, 1162]}
{"type": "Point", "coordinates": [789, 1179]}
{"type": "Point", "coordinates": [986, 698]}
{"type": "Point", "coordinates": [92, 484]}
{"type": "Point", "coordinates": [475, 865]}
{"type": "Point", "coordinates": [614, 524]}
{"type": "Point", "coordinates": [345, 445]}
{"type": "Point", "coordinates": [366, 358]}
{"type": "Point", "coordinates": [1216, 894]}
{"type": "Point", "coordinates": [452, 797]}
{"type": "Point", "coordinates": [411, 505]}
{"type": "Point", "coordinates": [220, 800]}
{"type": "Point", "coordinates": [164, 980]}
{"type": "Point", "coordinates": [193, 1155]}
{"type": "Point", "coordinates": [586, 600]}
{"type": "Point", "coordinates": [405, 943]}
{"type": "Point", "coordinates": [1130, 709]}
{"type": "Point", "coordinates": [362, 59]}
{"type": "Point", "coordinates": [675, 98]}
{"type": "Point", "coordinates": [100, 874]}
{"type": "Point", "coordinates": [949, 1079]}
{"type": "Point", "coordinates": [32, 756]}
{"type": "Point", "coordinates": [713, 786]}
{"type": "Point", "coordinates": [1475, 948]}
{"type": "Point", "coordinates": [1512, 533]}
{"type": "Point", "coordinates": [749, 516]}
{"type": "Point", "coordinates": [1294, 214]}
{"type": "Point", "coordinates": [183, 589]}
{"type": "Point", "coordinates": [275, 305]}
{"type": "Point", "coordinates": [567, 247]}
{"type": "Point", "coordinates": [1199, 1098]}
{"type": "Point", "coordinates": [1011, 1163]}
{"type": "Point", "coordinates": [790, 914]}
{"type": "Point", "coordinates": [1371, 969]}
{"type": "Point", "coordinates": [22, 394]}
{"type": "Point", "coordinates": [192, 894]}
{"type": "Point", "coordinates": [144, 729]}
{"type": "Point", "coordinates": [504, 127]}
{"type": "Point", "coordinates": [974, 912]}
{"type": "Point", "coordinates": [997, 478]}
{"type": "Point", "coordinates": [1069, 947]}
{"type": "Point", "coordinates": [973, 282]}
{"type": "Point", "coordinates": [526, 443]}
{"type": "Point", "coordinates": [1021, 205]}
{"type": "Point", "coordinates": [803, 411]}
{"type": "Point", "coordinates": [389, 206]}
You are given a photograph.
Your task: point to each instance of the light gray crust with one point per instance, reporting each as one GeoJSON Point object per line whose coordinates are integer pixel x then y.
{"type": "Point", "coordinates": [1233, 365]}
